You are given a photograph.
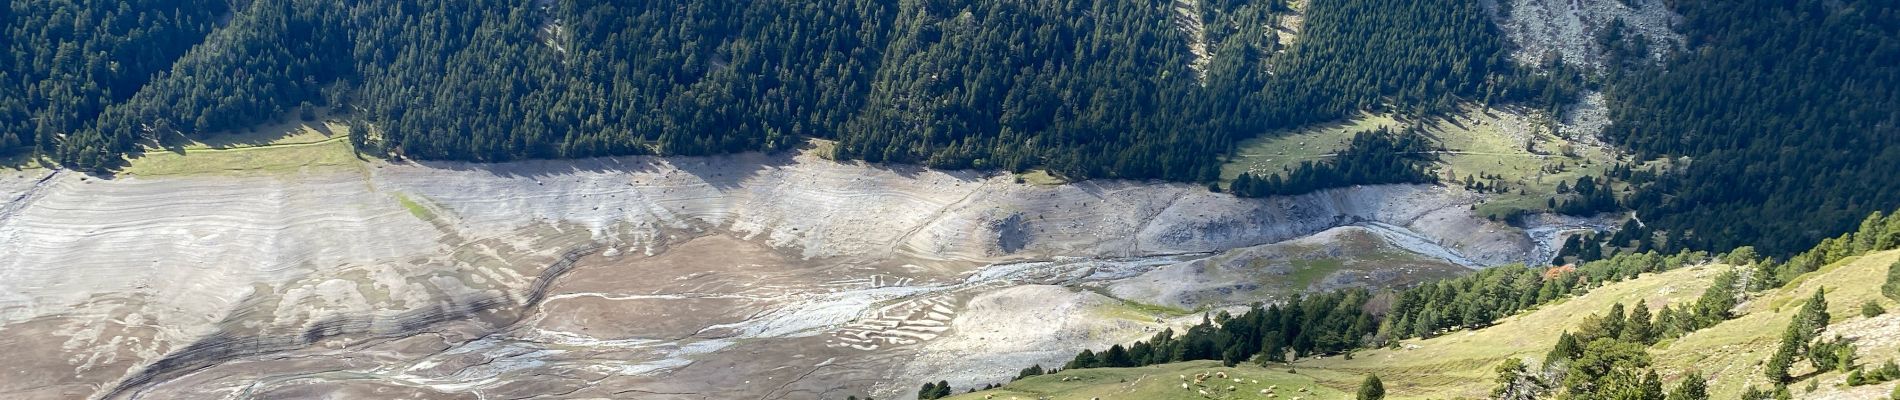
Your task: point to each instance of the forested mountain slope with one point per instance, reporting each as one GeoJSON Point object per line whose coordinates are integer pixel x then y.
{"type": "Point", "coordinates": [66, 61]}
{"type": "Point", "coordinates": [1788, 113]}
{"type": "Point", "coordinates": [1781, 115]}
{"type": "Point", "coordinates": [1087, 89]}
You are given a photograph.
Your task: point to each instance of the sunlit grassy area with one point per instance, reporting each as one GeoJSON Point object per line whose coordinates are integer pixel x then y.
{"type": "Point", "coordinates": [421, 212]}
{"type": "Point", "coordinates": [1307, 265]}
{"type": "Point", "coordinates": [823, 148]}
{"type": "Point", "coordinates": [271, 150]}
{"type": "Point", "coordinates": [1460, 364]}
{"type": "Point", "coordinates": [20, 162]}
{"type": "Point", "coordinates": [1477, 143]}
{"type": "Point", "coordinates": [1161, 382]}
{"type": "Point", "coordinates": [1480, 144]}
{"type": "Point", "coordinates": [1281, 151]}
{"type": "Point", "coordinates": [1736, 348]}
{"type": "Point", "coordinates": [1040, 177]}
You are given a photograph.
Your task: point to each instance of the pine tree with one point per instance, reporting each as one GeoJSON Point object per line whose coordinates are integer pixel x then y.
{"type": "Point", "coordinates": [1892, 287]}
{"type": "Point", "coordinates": [358, 135]}
{"type": "Point", "coordinates": [1116, 357]}
{"type": "Point", "coordinates": [1515, 381]}
{"type": "Point", "coordinates": [1693, 387]}
{"type": "Point", "coordinates": [1638, 329]}
{"type": "Point", "coordinates": [1741, 256]}
{"type": "Point", "coordinates": [1716, 302]}
{"type": "Point", "coordinates": [1613, 323]}
{"type": "Point", "coordinates": [1652, 388]}
{"type": "Point", "coordinates": [1783, 359]}
{"type": "Point", "coordinates": [1427, 324]}
{"type": "Point", "coordinates": [1844, 358]}
{"type": "Point", "coordinates": [1567, 348]}
{"type": "Point", "coordinates": [1371, 388]}
{"type": "Point", "coordinates": [1085, 359]}
{"type": "Point", "coordinates": [1029, 372]}
{"type": "Point", "coordinates": [1763, 277]}
{"type": "Point", "coordinates": [1755, 393]}
{"type": "Point", "coordinates": [1813, 316]}
{"type": "Point", "coordinates": [928, 392]}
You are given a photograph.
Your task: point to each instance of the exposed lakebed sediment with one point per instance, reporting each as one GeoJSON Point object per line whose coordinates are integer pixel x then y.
{"type": "Point", "coordinates": [745, 276]}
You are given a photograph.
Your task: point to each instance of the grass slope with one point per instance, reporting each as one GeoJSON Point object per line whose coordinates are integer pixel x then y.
{"type": "Point", "coordinates": [285, 148]}
{"type": "Point", "coordinates": [1461, 364]}
{"type": "Point", "coordinates": [1280, 152]}
{"type": "Point", "coordinates": [1161, 382]}
{"type": "Point", "coordinates": [1477, 142]}
{"type": "Point", "coordinates": [1735, 350]}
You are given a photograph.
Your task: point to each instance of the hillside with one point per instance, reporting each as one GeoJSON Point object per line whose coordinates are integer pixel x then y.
{"type": "Point", "coordinates": [1148, 90]}
{"type": "Point", "coordinates": [1083, 89]}
{"type": "Point", "coordinates": [773, 199]}
{"type": "Point", "coordinates": [1165, 382]}
{"type": "Point", "coordinates": [1460, 364]}
{"type": "Point", "coordinates": [1769, 90]}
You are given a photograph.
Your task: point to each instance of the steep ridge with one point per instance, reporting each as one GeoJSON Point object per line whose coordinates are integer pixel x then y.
{"type": "Point", "coordinates": [130, 283]}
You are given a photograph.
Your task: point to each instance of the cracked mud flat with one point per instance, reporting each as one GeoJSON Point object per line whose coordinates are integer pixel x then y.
{"type": "Point", "coordinates": [746, 276]}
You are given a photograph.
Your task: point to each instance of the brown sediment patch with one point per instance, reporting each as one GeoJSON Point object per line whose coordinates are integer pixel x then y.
{"type": "Point", "coordinates": [792, 368]}
{"type": "Point", "coordinates": [38, 366]}
{"type": "Point", "coordinates": [710, 264]}
{"type": "Point", "coordinates": [73, 355]}
{"type": "Point", "coordinates": [607, 317]}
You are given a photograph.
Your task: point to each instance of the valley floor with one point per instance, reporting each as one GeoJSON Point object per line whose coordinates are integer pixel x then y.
{"type": "Point", "coordinates": [289, 271]}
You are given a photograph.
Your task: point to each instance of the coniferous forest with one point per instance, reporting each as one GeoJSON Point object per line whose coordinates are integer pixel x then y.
{"type": "Point", "coordinates": [1787, 114]}
{"type": "Point", "coordinates": [1085, 89]}
{"type": "Point", "coordinates": [1781, 115]}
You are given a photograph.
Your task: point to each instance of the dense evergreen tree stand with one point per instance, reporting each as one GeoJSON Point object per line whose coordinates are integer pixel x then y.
{"type": "Point", "coordinates": [1083, 89]}
{"type": "Point", "coordinates": [1782, 115]}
